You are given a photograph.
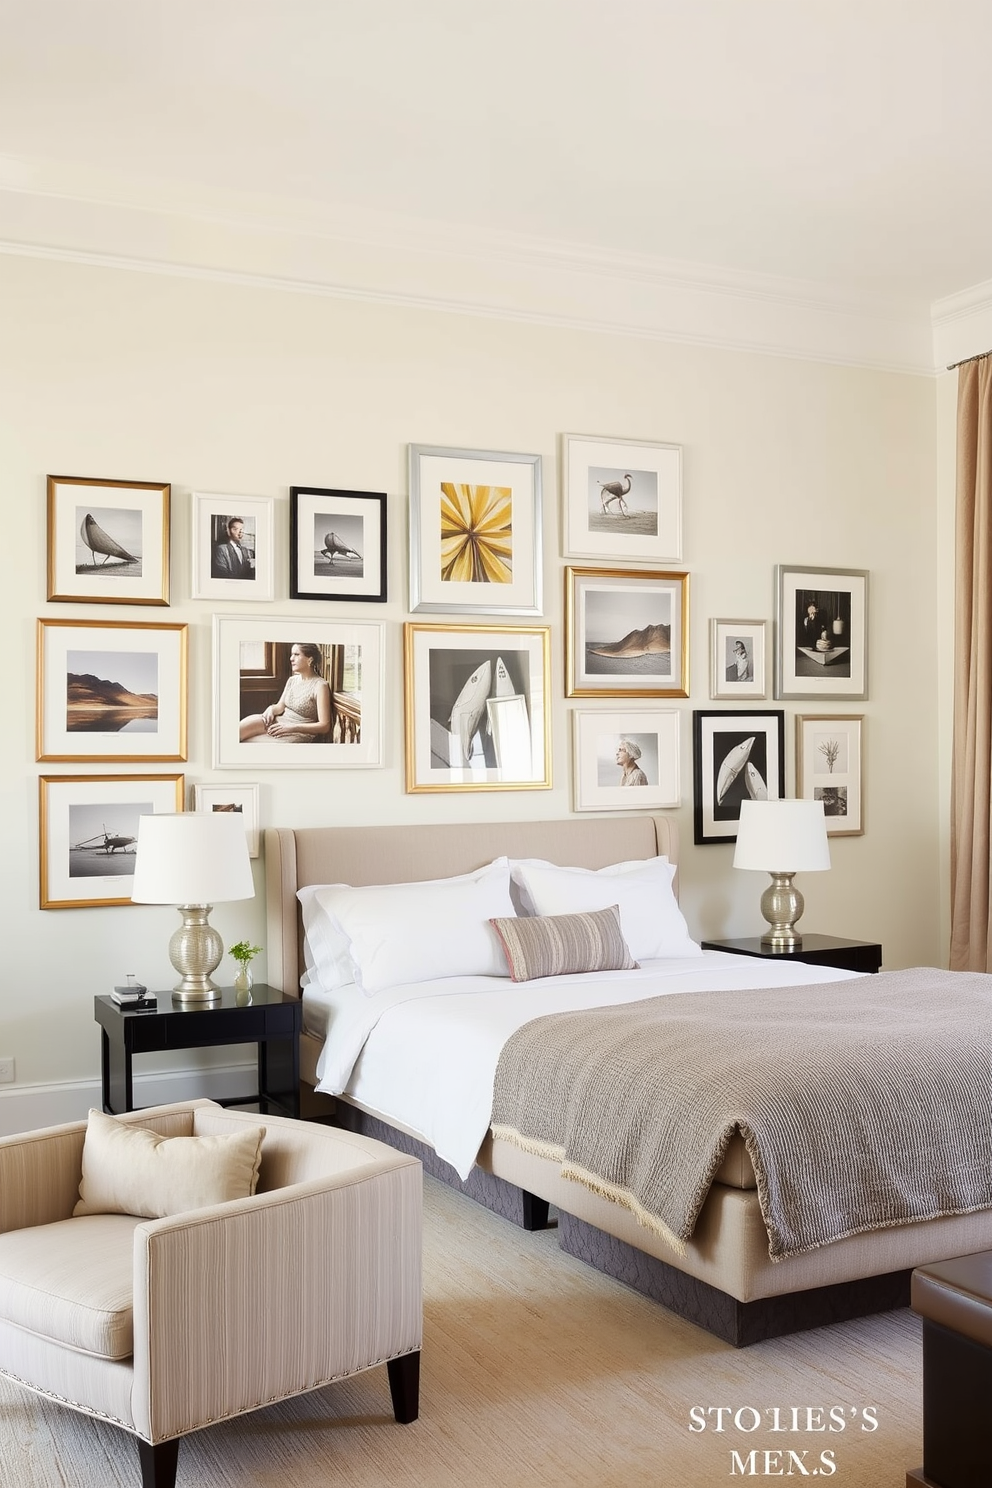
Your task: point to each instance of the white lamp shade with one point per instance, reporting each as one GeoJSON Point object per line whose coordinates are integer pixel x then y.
{"type": "Point", "coordinates": [782, 837]}
{"type": "Point", "coordinates": [191, 857]}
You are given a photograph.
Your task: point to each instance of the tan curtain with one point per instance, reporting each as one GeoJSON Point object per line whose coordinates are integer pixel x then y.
{"type": "Point", "coordinates": [971, 780]}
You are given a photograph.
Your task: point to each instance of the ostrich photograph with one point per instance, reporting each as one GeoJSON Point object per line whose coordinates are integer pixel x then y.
{"type": "Point", "coordinates": [623, 501]}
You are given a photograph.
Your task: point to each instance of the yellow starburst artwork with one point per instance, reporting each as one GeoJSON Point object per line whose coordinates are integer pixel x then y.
{"type": "Point", "coordinates": [476, 534]}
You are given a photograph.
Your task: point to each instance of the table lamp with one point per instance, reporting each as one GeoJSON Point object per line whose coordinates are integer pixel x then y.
{"type": "Point", "coordinates": [782, 838]}
{"type": "Point", "coordinates": [193, 859]}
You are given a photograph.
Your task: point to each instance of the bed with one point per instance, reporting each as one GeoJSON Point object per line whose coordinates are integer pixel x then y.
{"type": "Point", "coordinates": [723, 1278]}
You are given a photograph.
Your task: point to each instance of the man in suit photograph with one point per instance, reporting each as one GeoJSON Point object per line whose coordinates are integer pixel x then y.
{"type": "Point", "coordinates": [231, 558]}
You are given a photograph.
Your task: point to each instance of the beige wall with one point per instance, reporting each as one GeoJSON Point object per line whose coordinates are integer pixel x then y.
{"type": "Point", "coordinates": [222, 388]}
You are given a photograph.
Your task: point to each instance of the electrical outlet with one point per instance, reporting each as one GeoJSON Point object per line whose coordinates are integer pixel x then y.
{"type": "Point", "coordinates": [6, 1071]}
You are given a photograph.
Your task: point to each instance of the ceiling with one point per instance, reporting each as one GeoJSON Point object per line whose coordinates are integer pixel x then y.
{"type": "Point", "coordinates": [843, 145]}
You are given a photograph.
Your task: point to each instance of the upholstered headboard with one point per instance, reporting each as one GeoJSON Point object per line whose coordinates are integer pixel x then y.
{"type": "Point", "coordinates": [369, 855]}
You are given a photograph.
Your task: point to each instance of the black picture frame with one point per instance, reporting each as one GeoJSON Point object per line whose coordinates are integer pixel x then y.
{"type": "Point", "coordinates": [737, 755]}
{"type": "Point", "coordinates": [350, 564]}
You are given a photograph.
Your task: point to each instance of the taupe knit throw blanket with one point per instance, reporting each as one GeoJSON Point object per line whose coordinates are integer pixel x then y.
{"type": "Point", "coordinates": [864, 1104]}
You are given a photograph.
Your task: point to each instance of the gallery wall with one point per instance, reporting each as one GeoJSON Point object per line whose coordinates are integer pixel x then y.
{"type": "Point", "coordinates": [219, 387]}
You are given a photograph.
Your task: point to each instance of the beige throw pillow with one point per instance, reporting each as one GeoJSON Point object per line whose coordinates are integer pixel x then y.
{"type": "Point", "coordinates": [564, 945]}
{"type": "Point", "coordinates": [131, 1170]}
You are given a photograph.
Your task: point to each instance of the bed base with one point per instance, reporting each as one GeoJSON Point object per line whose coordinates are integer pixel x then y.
{"type": "Point", "coordinates": [515, 1204]}
{"type": "Point", "coordinates": [737, 1323]}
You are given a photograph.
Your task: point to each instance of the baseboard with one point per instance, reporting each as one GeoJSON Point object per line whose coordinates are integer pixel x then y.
{"type": "Point", "coordinates": [28, 1107]}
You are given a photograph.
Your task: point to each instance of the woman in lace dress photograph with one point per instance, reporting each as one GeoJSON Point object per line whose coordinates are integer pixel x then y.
{"type": "Point", "coordinates": [303, 713]}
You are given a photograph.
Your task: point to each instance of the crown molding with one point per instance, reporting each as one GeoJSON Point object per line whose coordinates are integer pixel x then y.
{"type": "Point", "coordinates": [962, 324]}
{"type": "Point", "coordinates": [419, 265]}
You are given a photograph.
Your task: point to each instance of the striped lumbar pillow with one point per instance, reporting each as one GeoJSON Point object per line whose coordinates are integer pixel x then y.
{"type": "Point", "coordinates": [564, 945]}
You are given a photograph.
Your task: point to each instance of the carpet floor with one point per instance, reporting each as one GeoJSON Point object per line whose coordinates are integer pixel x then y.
{"type": "Point", "coordinates": [537, 1370]}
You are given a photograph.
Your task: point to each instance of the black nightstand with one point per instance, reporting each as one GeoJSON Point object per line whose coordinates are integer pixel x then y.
{"type": "Point", "coordinates": [271, 1020]}
{"type": "Point", "coordinates": [819, 950]}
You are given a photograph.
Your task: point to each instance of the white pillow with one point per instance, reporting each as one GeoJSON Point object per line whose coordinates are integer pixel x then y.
{"type": "Point", "coordinates": [652, 923]}
{"type": "Point", "coordinates": [383, 935]}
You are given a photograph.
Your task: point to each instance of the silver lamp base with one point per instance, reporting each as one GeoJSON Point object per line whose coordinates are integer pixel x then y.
{"type": "Point", "coordinates": [195, 951]}
{"type": "Point", "coordinates": [782, 905]}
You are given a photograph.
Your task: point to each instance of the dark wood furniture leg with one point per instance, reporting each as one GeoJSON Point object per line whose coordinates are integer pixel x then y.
{"type": "Point", "coordinates": [404, 1387]}
{"type": "Point", "coordinates": [158, 1463]}
{"type": "Point", "coordinates": [515, 1204]}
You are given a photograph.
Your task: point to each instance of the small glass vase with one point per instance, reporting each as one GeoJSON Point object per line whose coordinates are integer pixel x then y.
{"type": "Point", "coordinates": [242, 983]}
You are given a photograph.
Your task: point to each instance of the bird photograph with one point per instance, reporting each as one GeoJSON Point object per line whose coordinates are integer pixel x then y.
{"type": "Point", "coordinates": [338, 549]}
{"type": "Point", "coordinates": [623, 501]}
{"type": "Point", "coordinates": [111, 545]}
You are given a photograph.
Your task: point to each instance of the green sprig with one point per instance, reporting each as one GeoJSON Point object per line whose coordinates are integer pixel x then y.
{"type": "Point", "coordinates": [244, 951]}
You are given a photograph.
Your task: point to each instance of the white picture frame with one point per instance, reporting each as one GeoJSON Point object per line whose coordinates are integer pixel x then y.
{"type": "Point", "coordinates": [240, 798]}
{"type": "Point", "coordinates": [613, 752]}
{"type": "Point", "coordinates": [251, 668]}
{"type": "Point", "coordinates": [213, 573]}
{"type": "Point", "coordinates": [621, 499]}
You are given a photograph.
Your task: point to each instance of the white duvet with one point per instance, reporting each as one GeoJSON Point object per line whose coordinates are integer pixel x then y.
{"type": "Point", "coordinates": [423, 1055]}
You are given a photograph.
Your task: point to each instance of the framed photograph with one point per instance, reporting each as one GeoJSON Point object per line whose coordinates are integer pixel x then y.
{"type": "Point", "coordinates": [736, 756]}
{"type": "Point", "coordinates": [242, 799]}
{"type": "Point", "coordinates": [88, 827]}
{"type": "Point", "coordinates": [626, 633]}
{"type": "Point", "coordinates": [621, 499]}
{"type": "Point", "coordinates": [299, 693]}
{"type": "Point", "coordinates": [617, 751]}
{"type": "Point", "coordinates": [111, 690]}
{"type": "Point", "coordinates": [821, 620]}
{"type": "Point", "coordinates": [233, 547]}
{"type": "Point", "coordinates": [477, 707]}
{"type": "Point", "coordinates": [108, 541]}
{"type": "Point", "coordinates": [337, 544]}
{"type": "Point", "coordinates": [828, 769]}
{"type": "Point", "coordinates": [737, 659]}
{"type": "Point", "coordinates": [475, 531]}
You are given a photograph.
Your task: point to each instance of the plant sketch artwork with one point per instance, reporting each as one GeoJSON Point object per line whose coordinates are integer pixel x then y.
{"type": "Point", "coordinates": [828, 769]}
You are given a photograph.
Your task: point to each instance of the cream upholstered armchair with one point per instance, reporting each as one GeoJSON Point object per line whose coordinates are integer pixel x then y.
{"type": "Point", "coordinates": [164, 1326]}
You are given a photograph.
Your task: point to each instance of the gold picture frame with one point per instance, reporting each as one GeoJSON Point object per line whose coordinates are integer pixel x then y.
{"type": "Point", "coordinates": [87, 829]}
{"type": "Point", "coordinates": [626, 632]}
{"type": "Point", "coordinates": [108, 541]}
{"type": "Point", "coordinates": [113, 691]}
{"type": "Point", "coordinates": [477, 707]}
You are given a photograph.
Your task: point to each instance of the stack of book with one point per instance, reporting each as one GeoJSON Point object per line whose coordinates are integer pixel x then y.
{"type": "Point", "coordinates": [134, 995]}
